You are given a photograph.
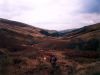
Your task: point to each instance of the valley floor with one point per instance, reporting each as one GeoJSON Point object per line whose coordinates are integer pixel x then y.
{"type": "Point", "coordinates": [38, 64]}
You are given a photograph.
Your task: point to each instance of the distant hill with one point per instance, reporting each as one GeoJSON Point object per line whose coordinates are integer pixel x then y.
{"type": "Point", "coordinates": [84, 30]}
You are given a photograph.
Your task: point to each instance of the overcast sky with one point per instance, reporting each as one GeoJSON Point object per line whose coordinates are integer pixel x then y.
{"type": "Point", "coordinates": [52, 14]}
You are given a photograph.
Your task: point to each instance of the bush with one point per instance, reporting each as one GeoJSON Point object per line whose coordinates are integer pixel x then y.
{"type": "Point", "coordinates": [92, 44]}
{"type": "Point", "coordinates": [5, 62]}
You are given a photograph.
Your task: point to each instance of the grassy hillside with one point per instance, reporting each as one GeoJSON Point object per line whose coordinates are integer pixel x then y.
{"type": "Point", "coordinates": [26, 50]}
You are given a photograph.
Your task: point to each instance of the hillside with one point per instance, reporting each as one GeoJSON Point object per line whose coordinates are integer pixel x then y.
{"type": "Point", "coordinates": [86, 39]}
{"type": "Point", "coordinates": [20, 28]}
{"type": "Point", "coordinates": [88, 36]}
{"type": "Point", "coordinates": [84, 30]}
{"type": "Point", "coordinates": [26, 50]}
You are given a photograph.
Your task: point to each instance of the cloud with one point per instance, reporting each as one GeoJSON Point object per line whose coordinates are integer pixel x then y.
{"type": "Point", "coordinates": [52, 14]}
{"type": "Point", "coordinates": [38, 11]}
{"type": "Point", "coordinates": [91, 6]}
{"type": "Point", "coordinates": [12, 8]}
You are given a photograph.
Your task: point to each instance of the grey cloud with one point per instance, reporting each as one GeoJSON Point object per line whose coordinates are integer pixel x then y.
{"type": "Point", "coordinates": [90, 6]}
{"type": "Point", "coordinates": [52, 14]}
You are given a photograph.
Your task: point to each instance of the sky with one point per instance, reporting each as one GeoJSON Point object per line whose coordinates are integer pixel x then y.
{"type": "Point", "coordinates": [52, 14]}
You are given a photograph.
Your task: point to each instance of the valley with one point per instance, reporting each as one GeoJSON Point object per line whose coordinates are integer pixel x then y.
{"type": "Point", "coordinates": [26, 50]}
